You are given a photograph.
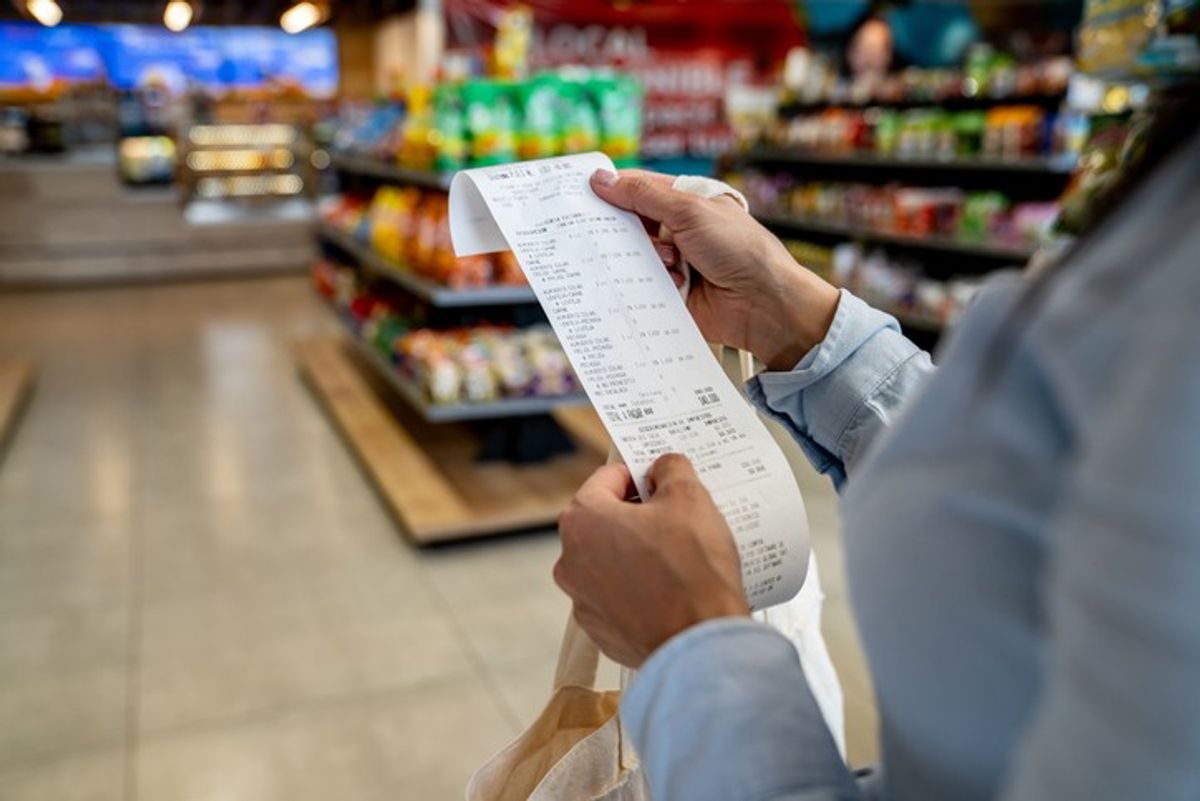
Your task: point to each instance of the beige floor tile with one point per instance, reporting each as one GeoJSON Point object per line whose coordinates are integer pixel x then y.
{"type": "Point", "coordinates": [68, 563]}
{"type": "Point", "coordinates": [421, 743]}
{"type": "Point", "coordinates": [489, 572]}
{"type": "Point", "coordinates": [92, 776]}
{"type": "Point", "coordinates": [280, 641]}
{"type": "Point", "coordinates": [62, 708]}
{"type": "Point", "coordinates": [63, 677]}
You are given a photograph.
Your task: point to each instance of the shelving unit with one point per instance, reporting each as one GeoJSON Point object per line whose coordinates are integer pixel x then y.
{"type": "Point", "coordinates": [1048, 165]}
{"type": "Point", "coordinates": [1050, 100]}
{"type": "Point", "coordinates": [941, 258]}
{"type": "Point", "coordinates": [457, 412]}
{"type": "Point", "coordinates": [240, 161]}
{"type": "Point", "coordinates": [990, 251]}
{"type": "Point", "coordinates": [428, 291]}
{"type": "Point", "coordinates": [447, 471]}
{"type": "Point", "coordinates": [390, 173]}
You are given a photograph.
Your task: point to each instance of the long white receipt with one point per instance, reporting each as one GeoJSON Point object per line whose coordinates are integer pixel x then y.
{"type": "Point", "coordinates": [639, 355]}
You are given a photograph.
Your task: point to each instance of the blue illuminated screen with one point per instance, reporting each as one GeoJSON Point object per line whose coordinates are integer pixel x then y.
{"type": "Point", "coordinates": [129, 56]}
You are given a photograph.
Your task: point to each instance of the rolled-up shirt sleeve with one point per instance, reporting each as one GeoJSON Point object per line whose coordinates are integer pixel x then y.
{"type": "Point", "coordinates": [722, 712]}
{"type": "Point", "coordinates": [847, 389]}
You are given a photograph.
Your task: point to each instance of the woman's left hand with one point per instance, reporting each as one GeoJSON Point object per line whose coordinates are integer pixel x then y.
{"type": "Point", "coordinates": [640, 573]}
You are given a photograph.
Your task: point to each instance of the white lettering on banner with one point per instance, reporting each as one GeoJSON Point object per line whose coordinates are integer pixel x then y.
{"type": "Point", "coordinates": [638, 353]}
{"type": "Point", "coordinates": [590, 44]}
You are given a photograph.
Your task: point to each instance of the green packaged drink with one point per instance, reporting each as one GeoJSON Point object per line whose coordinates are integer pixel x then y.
{"type": "Point", "coordinates": [490, 122]}
{"type": "Point", "coordinates": [449, 132]}
{"type": "Point", "coordinates": [619, 101]}
{"type": "Point", "coordinates": [581, 123]}
{"type": "Point", "coordinates": [539, 134]}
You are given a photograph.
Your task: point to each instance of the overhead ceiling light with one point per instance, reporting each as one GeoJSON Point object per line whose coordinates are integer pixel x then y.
{"type": "Point", "coordinates": [47, 12]}
{"type": "Point", "coordinates": [177, 15]}
{"type": "Point", "coordinates": [301, 17]}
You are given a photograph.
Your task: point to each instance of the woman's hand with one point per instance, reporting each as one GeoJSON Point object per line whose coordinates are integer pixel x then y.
{"type": "Point", "coordinates": [640, 573]}
{"type": "Point", "coordinates": [753, 295]}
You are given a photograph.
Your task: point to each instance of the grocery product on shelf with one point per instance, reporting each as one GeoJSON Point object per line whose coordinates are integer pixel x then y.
{"type": "Point", "coordinates": [485, 363]}
{"type": "Point", "coordinates": [894, 285]}
{"type": "Point", "coordinates": [484, 121]}
{"type": "Point", "coordinates": [1003, 132]}
{"type": "Point", "coordinates": [491, 122]}
{"type": "Point", "coordinates": [1140, 38]}
{"type": "Point", "coordinates": [410, 229]}
{"type": "Point", "coordinates": [987, 75]}
{"type": "Point", "coordinates": [473, 364]}
{"type": "Point", "coordinates": [985, 218]}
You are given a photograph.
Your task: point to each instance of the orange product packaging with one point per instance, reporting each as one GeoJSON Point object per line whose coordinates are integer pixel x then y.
{"type": "Point", "coordinates": [423, 245]}
{"type": "Point", "coordinates": [458, 273]}
{"type": "Point", "coordinates": [507, 270]}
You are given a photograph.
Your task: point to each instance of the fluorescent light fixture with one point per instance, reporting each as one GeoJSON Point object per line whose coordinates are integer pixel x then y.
{"type": "Point", "coordinates": [177, 15]}
{"type": "Point", "coordinates": [47, 12]}
{"type": "Point", "coordinates": [301, 17]}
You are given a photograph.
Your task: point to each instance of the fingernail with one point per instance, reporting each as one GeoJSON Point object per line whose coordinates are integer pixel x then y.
{"type": "Point", "coordinates": [666, 253]}
{"type": "Point", "coordinates": [604, 177]}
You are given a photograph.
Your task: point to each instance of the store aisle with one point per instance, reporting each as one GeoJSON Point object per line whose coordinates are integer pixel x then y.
{"type": "Point", "coordinates": [201, 598]}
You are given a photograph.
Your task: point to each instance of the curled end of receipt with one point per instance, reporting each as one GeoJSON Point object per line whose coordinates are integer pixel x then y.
{"type": "Point", "coordinates": [473, 230]}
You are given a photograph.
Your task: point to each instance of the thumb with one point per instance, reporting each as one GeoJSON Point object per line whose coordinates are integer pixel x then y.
{"type": "Point", "coordinates": [671, 473]}
{"type": "Point", "coordinates": [648, 194]}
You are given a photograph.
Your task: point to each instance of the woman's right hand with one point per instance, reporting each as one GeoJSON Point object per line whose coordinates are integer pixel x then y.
{"type": "Point", "coordinates": [753, 295]}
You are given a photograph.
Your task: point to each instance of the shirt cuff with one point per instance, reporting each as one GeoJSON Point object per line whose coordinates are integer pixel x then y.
{"type": "Point", "coordinates": [819, 400]}
{"type": "Point", "coordinates": [723, 711]}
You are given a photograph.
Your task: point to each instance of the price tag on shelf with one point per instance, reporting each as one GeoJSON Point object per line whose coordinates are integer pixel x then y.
{"type": "Point", "coordinates": [638, 353]}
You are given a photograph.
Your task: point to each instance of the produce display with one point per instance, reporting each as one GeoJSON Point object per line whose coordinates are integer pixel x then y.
{"type": "Point", "coordinates": [972, 217]}
{"type": "Point", "coordinates": [475, 364]}
{"type": "Point", "coordinates": [410, 228]}
{"type": "Point", "coordinates": [893, 285]}
{"type": "Point", "coordinates": [489, 121]}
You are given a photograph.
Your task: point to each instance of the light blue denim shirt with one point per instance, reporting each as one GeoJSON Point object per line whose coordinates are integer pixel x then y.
{"type": "Point", "coordinates": [1022, 550]}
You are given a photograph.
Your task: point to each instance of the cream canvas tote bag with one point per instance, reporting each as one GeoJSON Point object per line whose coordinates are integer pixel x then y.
{"type": "Point", "coordinates": [576, 750]}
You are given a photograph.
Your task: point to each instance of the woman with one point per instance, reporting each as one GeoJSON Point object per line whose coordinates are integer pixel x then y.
{"type": "Point", "coordinates": [1022, 526]}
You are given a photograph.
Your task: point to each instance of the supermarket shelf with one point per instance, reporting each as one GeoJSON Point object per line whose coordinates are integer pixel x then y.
{"type": "Point", "coordinates": [950, 103]}
{"type": "Point", "coordinates": [453, 412]}
{"type": "Point", "coordinates": [16, 382]}
{"type": "Point", "coordinates": [392, 173]}
{"type": "Point", "coordinates": [992, 251]}
{"type": "Point", "coordinates": [428, 476]}
{"type": "Point", "coordinates": [1049, 165]}
{"type": "Point", "coordinates": [433, 293]}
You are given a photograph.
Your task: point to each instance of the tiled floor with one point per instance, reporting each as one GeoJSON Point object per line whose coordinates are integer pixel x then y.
{"type": "Point", "coordinates": [200, 597]}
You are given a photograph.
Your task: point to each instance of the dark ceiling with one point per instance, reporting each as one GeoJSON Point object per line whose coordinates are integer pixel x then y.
{"type": "Point", "coordinates": [212, 12]}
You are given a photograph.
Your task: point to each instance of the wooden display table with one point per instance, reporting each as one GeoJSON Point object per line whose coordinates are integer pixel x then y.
{"type": "Point", "coordinates": [430, 474]}
{"type": "Point", "coordinates": [16, 381]}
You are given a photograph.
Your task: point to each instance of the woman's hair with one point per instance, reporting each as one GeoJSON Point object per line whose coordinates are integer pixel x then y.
{"type": "Point", "coordinates": [1173, 122]}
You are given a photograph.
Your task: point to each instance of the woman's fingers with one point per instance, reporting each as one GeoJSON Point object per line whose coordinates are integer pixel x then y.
{"type": "Point", "coordinates": [670, 474]}
{"type": "Point", "coordinates": [613, 481]}
{"type": "Point", "coordinates": [667, 252]}
{"type": "Point", "coordinates": [647, 194]}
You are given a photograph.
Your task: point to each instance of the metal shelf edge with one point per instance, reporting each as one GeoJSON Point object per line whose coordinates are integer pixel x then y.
{"type": "Point", "coordinates": [376, 168]}
{"type": "Point", "coordinates": [1055, 165]}
{"type": "Point", "coordinates": [1021, 255]}
{"type": "Point", "coordinates": [422, 288]}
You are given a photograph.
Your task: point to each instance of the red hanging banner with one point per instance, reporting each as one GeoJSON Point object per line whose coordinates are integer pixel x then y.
{"type": "Point", "coordinates": [686, 54]}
